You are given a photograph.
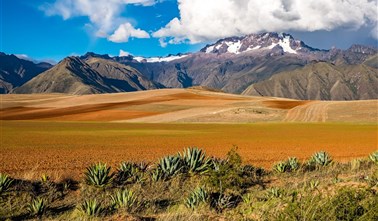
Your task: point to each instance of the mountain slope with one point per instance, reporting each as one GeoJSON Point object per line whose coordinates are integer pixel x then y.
{"type": "Point", "coordinates": [233, 64]}
{"type": "Point", "coordinates": [15, 72]}
{"type": "Point", "coordinates": [321, 81]}
{"type": "Point", "coordinates": [119, 77]}
{"type": "Point", "coordinates": [71, 76]}
{"type": "Point", "coordinates": [90, 76]}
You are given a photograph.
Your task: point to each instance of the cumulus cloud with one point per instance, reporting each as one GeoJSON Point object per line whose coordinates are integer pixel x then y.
{"type": "Point", "coordinates": [125, 31]}
{"type": "Point", "coordinates": [212, 19]}
{"type": "Point", "coordinates": [104, 15]}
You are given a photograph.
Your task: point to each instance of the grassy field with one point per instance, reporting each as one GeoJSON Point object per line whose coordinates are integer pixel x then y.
{"type": "Point", "coordinates": [30, 148]}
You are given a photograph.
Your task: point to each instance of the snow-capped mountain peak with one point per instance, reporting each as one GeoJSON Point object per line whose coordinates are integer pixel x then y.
{"type": "Point", "coordinates": [253, 42]}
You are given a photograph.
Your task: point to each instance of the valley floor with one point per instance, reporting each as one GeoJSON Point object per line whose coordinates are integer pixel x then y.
{"type": "Point", "coordinates": [62, 134]}
{"type": "Point", "coordinates": [182, 105]}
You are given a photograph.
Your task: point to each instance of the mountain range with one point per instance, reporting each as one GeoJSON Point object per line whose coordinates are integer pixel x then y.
{"type": "Point", "coordinates": [267, 64]}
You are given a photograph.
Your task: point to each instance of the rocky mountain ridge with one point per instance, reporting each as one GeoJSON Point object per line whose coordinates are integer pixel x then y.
{"type": "Point", "coordinates": [245, 65]}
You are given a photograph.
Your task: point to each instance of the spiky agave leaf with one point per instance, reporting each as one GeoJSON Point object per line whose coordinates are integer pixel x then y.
{"type": "Point", "coordinates": [195, 161]}
{"type": "Point", "coordinates": [169, 166]}
{"type": "Point", "coordinates": [293, 164]}
{"type": "Point", "coordinates": [321, 158]}
{"type": "Point", "coordinates": [196, 197]}
{"type": "Point", "coordinates": [91, 208]}
{"type": "Point", "coordinates": [98, 175]}
{"type": "Point", "coordinates": [37, 207]}
{"type": "Point", "coordinates": [374, 157]}
{"type": "Point", "coordinates": [5, 182]}
{"type": "Point", "coordinates": [123, 199]}
{"type": "Point", "coordinates": [280, 167]}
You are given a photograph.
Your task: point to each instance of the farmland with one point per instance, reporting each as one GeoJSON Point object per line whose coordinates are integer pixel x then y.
{"type": "Point", "coordinates": [30, 148]}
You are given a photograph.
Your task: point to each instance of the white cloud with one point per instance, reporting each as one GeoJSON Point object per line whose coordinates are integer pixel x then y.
{"type": "Point", "coordinates": [212, 19]}
{"type": "Point", "coordinates": [104, 15]}
{"type": "Point", "coordinates": [123, 53]}
{"type": "Point", "coordinates": [125, 31]}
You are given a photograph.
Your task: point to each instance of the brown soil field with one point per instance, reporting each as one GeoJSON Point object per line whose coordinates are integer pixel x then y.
{"type": "Point", "coordinates": [62, 134]}
{"type": "Point", "coordinates": [30, 148]}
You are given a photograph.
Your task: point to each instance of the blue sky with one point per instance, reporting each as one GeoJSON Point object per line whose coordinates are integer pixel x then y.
{"type": "Point", "coordinates": [58, 28]}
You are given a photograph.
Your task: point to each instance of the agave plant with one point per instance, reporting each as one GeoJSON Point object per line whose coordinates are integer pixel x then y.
{"type": "Point", "coordinates": [195, 161]}
{"type": "Point", "coordinates": [169, 166]}
{"type": "Point", "coordinates": [216, 163]}
{"type": "Point", "coordinates": [195, 198]}
{"type": "Point", "coordinates": [37, 207]}
{"type": "Point", "coordinates": [125, 171]}
{"type": "Point", "coordinates": [292, 163]}
{"type": "Point", "coordinates": [222, 201]}
{"type": "Point", "coordinates": [280, 167]}
{"type": "Point", "coordinates": [98, 175]}
{"type": "Point", "coordinates": [123, 199]}
{"type": "Point", "coordinates": [314, 184]}
{"type": "Point", "coordinates": [247, 198]}
{"type": "Point", "coordinates": [274, 192]}
{"type": "Point", "coordinates": [374, 157]}
{"type": "Point", "coordinates": [5, 182]}
{"type": "Point", "coordinates": [321, 158]}
{"type": "Point", "coordinates": [156, 174]}
{"type": "Point", "coordinates": [133, 172]}
{"type": "Point", "coordinates": [45, 178]}
{"type": "Point", "coordinates": [91, 208]}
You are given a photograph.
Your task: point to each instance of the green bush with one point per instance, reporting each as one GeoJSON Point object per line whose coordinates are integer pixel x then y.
{"type": "Point", "coordinates": [196, 197]}
{"type": "Point", "coordinates": [5, 182]}
{"type": "Point", "coordinates": [98, 175]}
{"type": "Point", "coordinates": [347, 204]}
{"type": "Point", "coordinates": [124, 199]}
{"type": "Point", "coordinates": [228, 174]}
{"type": "Point", "coordinates": [91, 208]}
{"type": "Point", "coordinates": [37, 207]}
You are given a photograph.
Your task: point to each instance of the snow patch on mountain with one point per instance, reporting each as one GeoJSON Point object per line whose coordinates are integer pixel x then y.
{"type": "Point", "coordinates": [159, 59]}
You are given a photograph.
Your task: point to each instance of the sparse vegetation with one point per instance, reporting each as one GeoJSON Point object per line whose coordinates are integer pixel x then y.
{"type": "Point", "coordinates": [91, 208]}
{"type": "Point", "coordinates": [374, 157]}
{"type": "Point", "coordinates": [37, 207]}
{"type": "Point", "coordinates": [178, 186]}
{"type": "Point", "coordinates": [196, 197]}
{"type": "Point", "coordinates": [123, 199]}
